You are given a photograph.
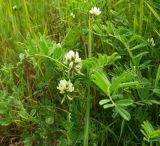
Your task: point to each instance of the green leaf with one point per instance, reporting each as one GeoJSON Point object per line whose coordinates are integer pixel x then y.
{"type": "Point", "coordinates": [97, 29]}
{"type": "Point", "coordinates": [4, 107]}
{"type": "Point", "coordinates": [123, 77]}
{"type": "Point", "coordinates": [157, 92]}
{"type": "Point", "coordinates": [108, 106]}
{"type": "Point", "coordinates": [155, 134]}
{"type": "Point", "coordinates": [149, 132]}
{"type": "Point", "coordinates": [23, 114]}
{"type": "Point", "coordinates": [106, 60]}
{"type": "Point", "coordinates": [141, 54]}
{"type": "Point", "coordinates": [104, 101]}
{"type": "Point", "coordinates": [101, 80]}
{"type": "Point", "coordinates": [144, 133]}
{"type": "Point", "coordinates": [155, 102]}
{"type": "Point", "coordinates": [43, 46]}
{"type": "Point", "coordinates": [148, 128]}
{"type": "Point", "coordinates": [57, 53]}
{"type": "Point", "coordinates": [5, 121]}
{"type": "Point", "coordinates": [153, 11]}
{"type": "Point", "coordinates": [138, 46]}
{"type": "Point", "coordinates": [157, 77]}
{"type": "Point", "coordinates": [125, 114]}
{"type": "Point", "coordinates": [124, 102]}
{"type": "Point", "coordinates": [130, 84]}
{"type": "Point", "coordinates": [70, 40]}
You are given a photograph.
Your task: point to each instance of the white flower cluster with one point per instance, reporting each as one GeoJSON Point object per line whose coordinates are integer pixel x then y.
{"type": "Point", "coordinates": [73, 60]}
{"type": "Point", "coordinates": [65, 86]}
{"type": "Point", "coordinates": [151, 41]}
{"type": "Point", "coordinates": [95, 11]}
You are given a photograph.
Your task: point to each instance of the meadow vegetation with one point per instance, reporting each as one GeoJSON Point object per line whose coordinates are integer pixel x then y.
{"type": "Point", "coordinates": [79, 72]}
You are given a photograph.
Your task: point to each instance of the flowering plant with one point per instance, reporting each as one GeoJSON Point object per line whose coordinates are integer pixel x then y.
{"type": "Point", "coordinates": [95, 11]}
{"type": "Point", "coordinates": [65, 86]}
{"type": "Point", "coordinates": [73, 61]}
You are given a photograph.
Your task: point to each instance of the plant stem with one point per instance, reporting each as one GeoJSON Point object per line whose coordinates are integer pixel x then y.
{"type": "Point", "coordinates": [141, 16]}
{"type": "Point", "coordinates": [86, 132]}
{"type": "Point", "coordinates": [54, 60]}
{"type": "Point", "coordinates": [89, 39]}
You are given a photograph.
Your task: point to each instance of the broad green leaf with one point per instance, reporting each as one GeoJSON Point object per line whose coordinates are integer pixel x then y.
{"type": "Point", "coordinates": [125, 114]}
{"type": "Point", "coordinates": [108, 106]}
{"type": "Point", "coordinates": [124, 102]}
{"type": "Point", "coordinates": [104, 101]}
{"type": "Point", "coordinates": [101, 80]}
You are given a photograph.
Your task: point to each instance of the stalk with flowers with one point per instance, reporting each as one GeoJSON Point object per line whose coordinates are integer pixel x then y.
{"type": "Point", "coordinates": [93, 12]}
{"type": "Point", "coordinates": [73, 62]}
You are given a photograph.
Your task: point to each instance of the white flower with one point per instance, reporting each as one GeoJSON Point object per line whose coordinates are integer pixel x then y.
{"type": "Point", "coordinates": [70, 87]}
{"type": "Point", "coordinates": [62, 86]}
{"type": "Point", "coordinates": [77, 59]}
{"type": "Point", "coordinates": [72, 56]}
{"type": "Point", "coordinates": [73, 61]}
{"type": "Point", "coordinates": [151, 40]}
{"type": "Point", "coordinates": [65, 86]}
{"type": "Point", "coordinates": [69, 56]}
{"type": "Point", "coordinates": [95, 11]}
{"type": "Point", "coordinates": [72, 15]}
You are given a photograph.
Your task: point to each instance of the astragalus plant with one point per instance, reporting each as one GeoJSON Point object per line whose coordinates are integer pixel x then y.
{"type": "Point", "coordinates": [86, 73]}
